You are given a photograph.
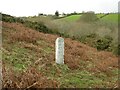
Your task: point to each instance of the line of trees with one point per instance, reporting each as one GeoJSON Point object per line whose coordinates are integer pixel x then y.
{"type": "Point", "coordinates": [57, 14]}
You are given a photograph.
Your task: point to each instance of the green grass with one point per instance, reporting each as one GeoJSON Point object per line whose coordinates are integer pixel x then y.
{"type": "Point", "coordinates": [79, 78]}
{"type": "Point", "coordinates": [72, 18]}
{"type": "Point", "coordinates": [111, 18]}
{"type": "Point", "coordinates": [99, 15]}
{"type": "Point", "coordinates": [18, 57]}
{"type": "Point", "coordinates": [46, 48]}
{"type": "Point", "coordinates": [84, 79]}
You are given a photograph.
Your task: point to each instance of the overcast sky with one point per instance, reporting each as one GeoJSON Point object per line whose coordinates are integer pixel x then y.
{"type": "Point", "coordinates": [33, 7]}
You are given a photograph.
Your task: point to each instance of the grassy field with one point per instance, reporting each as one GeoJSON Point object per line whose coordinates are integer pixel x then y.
{"type": "Point", "coordinates": [108, 18]}
{"type": "Point", "coordinates": [72, 18]}
{"type": "Point", "coordinates": [99, 15]}
{"type": "Point", "coordinates": [111, 18]}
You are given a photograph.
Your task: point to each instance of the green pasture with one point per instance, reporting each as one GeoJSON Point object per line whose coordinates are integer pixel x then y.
{"type": "Point", "coordinates": [72, 18]}
{"type": "Point", "coordinates": [111, 18]}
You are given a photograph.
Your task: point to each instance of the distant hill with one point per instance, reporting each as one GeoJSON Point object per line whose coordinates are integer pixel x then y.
{"type": "Point", "coordinates": [107, 17]}
{"type": "Point", "coordinates": [89, 32]}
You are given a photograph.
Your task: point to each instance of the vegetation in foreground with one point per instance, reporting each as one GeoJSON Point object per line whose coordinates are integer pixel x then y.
{"type": "Point", "coordinates": [28, 62]}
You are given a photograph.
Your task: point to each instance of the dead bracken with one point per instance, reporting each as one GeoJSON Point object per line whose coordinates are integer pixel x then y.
{"type": "Point", "coordinates": [77, 57]}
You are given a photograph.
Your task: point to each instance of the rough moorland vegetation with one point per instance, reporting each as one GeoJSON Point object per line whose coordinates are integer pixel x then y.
{"type": "Point", "coordinates": [89, 29]}
{"type": "Point", "coordinates": [97, 30]}
{"type": "Point", "coordinates": [28, 58]}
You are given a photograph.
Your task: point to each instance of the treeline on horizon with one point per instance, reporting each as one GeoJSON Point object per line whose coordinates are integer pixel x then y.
{"type": "Point", "coordinates": [77, 13]}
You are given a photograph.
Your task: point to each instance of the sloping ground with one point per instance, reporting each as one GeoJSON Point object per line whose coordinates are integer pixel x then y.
{"type": "Point", "coordinates": [71, 18]}
{"type": "Point", "coordinates": [111, 18]}
{"type": "Point", "coordinates": [29, 61]}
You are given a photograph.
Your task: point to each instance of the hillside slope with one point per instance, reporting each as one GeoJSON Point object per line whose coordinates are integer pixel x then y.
{"type": "Point", "coordinates": [29, 61]}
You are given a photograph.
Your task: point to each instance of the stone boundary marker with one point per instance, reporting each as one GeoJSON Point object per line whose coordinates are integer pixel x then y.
{"type": "Point", "coordinates": [59, 50]}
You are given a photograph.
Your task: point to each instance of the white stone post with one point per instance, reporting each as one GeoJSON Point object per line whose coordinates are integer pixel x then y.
{"type": "Point", "coordinates": [59, 47]}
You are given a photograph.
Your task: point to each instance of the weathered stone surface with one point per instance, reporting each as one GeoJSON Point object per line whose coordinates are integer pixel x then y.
{"type": "Point", "coordinates": [59, 50]}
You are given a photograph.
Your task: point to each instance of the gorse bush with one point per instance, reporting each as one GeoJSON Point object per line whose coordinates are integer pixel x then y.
{"type": "Point", "coordinates": [104, 43]}
{"type": "Point", "coordinates": [38, 26]}
{"type": "Point", "coordinates": [34, 25]}
{"type": "Point", "coordinates": [8, 18]}
{"type": "Point", "coordinates": [89, 39]}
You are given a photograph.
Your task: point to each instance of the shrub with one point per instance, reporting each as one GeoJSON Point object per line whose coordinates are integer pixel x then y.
{"type": "Point", "coordinates": [88, 17]}
{"type": "Point", "coordinates": [38, 26]}
{"type": "Point", "coordinates": [34, 25]}
{"type": "Point", "coordinates": [116, 49]}
{"type": "Point", "coordinates": [104, 43]}
{"type": "Point", "coordinates": [89, 39]}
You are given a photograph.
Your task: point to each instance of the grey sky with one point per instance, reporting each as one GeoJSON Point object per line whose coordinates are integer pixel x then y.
{"type": "Point", "coordinates": [33, 7]}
